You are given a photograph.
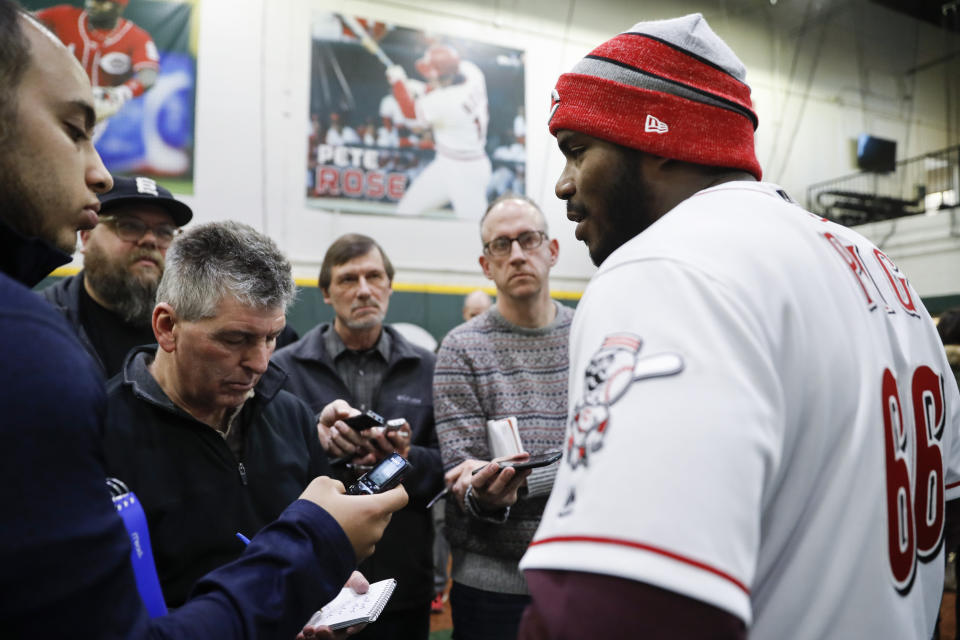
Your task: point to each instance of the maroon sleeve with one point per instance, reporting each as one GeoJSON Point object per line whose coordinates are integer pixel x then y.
{"type": "Point", "coordinates": [952, 526]}
{"type": "Point", "coordinates": [570, 604]}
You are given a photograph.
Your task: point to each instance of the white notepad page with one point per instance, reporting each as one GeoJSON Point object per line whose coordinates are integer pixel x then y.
{"type": "Point", "coordinates": [350, 607]}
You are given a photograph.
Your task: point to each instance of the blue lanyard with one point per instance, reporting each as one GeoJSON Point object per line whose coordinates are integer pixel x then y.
{"type": "Point", "coordinates": [141, 556]}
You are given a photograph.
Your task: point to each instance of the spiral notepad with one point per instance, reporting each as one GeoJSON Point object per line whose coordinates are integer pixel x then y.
{"type": "Point", "coordinates": [350, 607]}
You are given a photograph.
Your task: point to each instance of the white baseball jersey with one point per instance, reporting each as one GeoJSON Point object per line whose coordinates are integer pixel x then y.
{"type": "Point", "coordinates": [458, 114]}
{"type": "Point", "coordinates": [461, 170]}
{"type": "Point", "coordinates": [759, 420]}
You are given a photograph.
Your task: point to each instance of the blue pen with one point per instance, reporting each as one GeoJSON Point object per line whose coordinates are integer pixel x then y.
{"type": "Point", "coordinates": [244, 539]}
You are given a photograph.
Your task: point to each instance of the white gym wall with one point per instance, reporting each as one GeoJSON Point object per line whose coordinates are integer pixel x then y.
{"type": "Point", "coordinates": [822, 72]}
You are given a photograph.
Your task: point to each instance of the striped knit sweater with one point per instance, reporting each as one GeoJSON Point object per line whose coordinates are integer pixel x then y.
{"type": "Point", "coordinates": [490, 369]}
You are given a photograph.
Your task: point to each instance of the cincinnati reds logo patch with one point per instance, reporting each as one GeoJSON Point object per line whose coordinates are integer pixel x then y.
{"type": "Point", "coordinates": [116, 63]}
{"type": "Point", "coordinates": [611, 372]}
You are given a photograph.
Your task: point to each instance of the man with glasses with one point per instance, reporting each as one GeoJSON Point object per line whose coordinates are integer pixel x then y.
{"type": "Point", "coordinates": [510, 361]}
{"type": "Point", "coordinates": [111, 301]}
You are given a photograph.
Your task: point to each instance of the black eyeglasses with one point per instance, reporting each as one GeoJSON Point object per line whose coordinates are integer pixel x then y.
{"type": "Point", "coordinates": [528, 241]}
{"type": "Point", "coordinates": [131, 229]}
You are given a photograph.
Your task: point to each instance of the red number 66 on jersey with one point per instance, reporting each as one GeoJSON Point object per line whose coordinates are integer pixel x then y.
{"type": "Point", "coordinates": [914, 524]}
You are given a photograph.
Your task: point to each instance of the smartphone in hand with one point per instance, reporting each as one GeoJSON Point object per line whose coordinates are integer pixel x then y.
{"type": "Point", "coordinates": [533, 462]}
{"type": "Point", "coordinates": [365, 420]}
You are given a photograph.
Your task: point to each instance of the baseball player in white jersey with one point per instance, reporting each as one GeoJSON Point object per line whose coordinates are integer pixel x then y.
{"type": "Point", "coordinates": [760, 439]}
{"type": "Point", "coordinates": [455, 107]}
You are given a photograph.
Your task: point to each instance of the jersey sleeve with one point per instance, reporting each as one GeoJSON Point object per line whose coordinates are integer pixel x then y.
{"type": "Point", "coordinates": [570, 604]}
{"type": "Point", "coordinates": [675, 430]}
{"type": "Point", "coordinates": [143, 52]}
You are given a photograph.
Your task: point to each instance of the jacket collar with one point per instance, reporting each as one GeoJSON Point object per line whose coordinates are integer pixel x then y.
{"type": "Point", "coordinates": [137, 374]}
{"type": "Point", "coordinates": [28, 260]}
{"type": "Point", "coordinates": [312, 347]}
{"type": "Point", "coordinates": [335, 346]}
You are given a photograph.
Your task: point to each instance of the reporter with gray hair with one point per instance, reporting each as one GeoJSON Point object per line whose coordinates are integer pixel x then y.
{"type": "Point", "coordinates": [198, 425]}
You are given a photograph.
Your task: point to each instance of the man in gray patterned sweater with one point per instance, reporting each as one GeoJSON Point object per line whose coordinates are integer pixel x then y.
{"type": "Point", "coordinates": [509, 361]}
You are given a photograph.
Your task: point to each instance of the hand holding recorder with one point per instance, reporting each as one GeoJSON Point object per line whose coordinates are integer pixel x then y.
{"type": "Point", "coordinates": [362, 517]}
{"type": "Point", "coordinates": [364, 438]}
{"type": "Point", "coordinates": [336, 437]}
{"type": "Point", "coordinates": [392, 437]}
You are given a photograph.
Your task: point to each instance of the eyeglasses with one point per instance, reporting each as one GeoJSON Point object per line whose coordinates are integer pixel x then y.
{"type": "Point", "coordinates": [528, 241]}
{"type": "Point", "coordinates": [131, 229]}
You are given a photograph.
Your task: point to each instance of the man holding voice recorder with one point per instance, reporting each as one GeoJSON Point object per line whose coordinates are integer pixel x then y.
{"type": "Point", "coordinates": [372, 369]}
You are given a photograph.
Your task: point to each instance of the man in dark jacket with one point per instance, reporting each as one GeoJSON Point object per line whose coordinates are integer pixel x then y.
{"type": "Point", "coordinates": [369, 365]}
{"type": "Point", "coordinates": [110, 303]}
{"type": "Point", "coordinates": [199, 427]}
{"type": "Point", "coordinates": [64, 550]}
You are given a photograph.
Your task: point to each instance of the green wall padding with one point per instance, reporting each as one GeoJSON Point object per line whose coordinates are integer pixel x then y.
{"type": "Point", "coordinates": [435, 312]}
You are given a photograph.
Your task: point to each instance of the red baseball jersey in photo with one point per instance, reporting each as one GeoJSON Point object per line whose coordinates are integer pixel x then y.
{"type": "Point", "coordinates": [111, 57]}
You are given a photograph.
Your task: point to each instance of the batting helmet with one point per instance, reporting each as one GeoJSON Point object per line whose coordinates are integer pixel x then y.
{"type": "Point", "coordinates": [439, 61]}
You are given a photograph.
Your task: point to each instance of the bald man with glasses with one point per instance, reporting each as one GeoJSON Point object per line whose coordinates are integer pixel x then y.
{"type": "Point", "coordinates": [110, 302]}
{"type": "Point", "coordinates": [510, 361]}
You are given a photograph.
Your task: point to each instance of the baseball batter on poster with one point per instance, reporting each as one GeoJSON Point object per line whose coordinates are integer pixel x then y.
{"type": "Point", "coordinates": [430, 93]}
{"type": "Point", "coordinates": [455, 108]}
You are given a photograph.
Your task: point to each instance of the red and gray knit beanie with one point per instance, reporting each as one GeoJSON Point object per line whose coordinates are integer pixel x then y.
{"type": "Point", "coordinates": [671, 88]}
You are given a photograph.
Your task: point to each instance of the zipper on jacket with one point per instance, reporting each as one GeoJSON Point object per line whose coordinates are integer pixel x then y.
{"type": "Point", "coordinates": [243, 473]}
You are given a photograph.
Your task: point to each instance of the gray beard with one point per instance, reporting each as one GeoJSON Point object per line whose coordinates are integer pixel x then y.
{"type": "Point", "coordinates": [130, 298]}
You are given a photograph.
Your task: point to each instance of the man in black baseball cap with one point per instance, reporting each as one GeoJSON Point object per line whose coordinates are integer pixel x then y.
{"type": "Point", "coordinates": [110, 302]}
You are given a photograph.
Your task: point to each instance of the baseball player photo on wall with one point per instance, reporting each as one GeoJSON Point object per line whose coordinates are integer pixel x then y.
{"type": "Point", "coordinates": [142, 63]}
{"type": "Point", "coordinates": [411, 123]}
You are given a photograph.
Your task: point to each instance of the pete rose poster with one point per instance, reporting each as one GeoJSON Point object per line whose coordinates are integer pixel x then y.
{"type": "Point", "coordinates": [411, 123]}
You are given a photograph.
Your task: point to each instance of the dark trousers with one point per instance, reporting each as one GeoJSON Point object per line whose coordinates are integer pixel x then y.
{"type": "Point", "coordinates": [441, 550]}
{"type": "Point", "coordinates": [407, 624]}
{"type": "Point", "coordinates": [485, 615]}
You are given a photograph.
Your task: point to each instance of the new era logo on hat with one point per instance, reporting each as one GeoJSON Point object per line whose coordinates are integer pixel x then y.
{"type": "Point", "coordinates": [653, 125]}
{"type": "Point", "coordinates": [555, 102]}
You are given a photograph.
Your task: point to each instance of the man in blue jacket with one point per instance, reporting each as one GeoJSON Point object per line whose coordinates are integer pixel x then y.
{"type": "Point", "coordinates": [64, 550]}
{"type": "Point", "coordinates": [365, 362]}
